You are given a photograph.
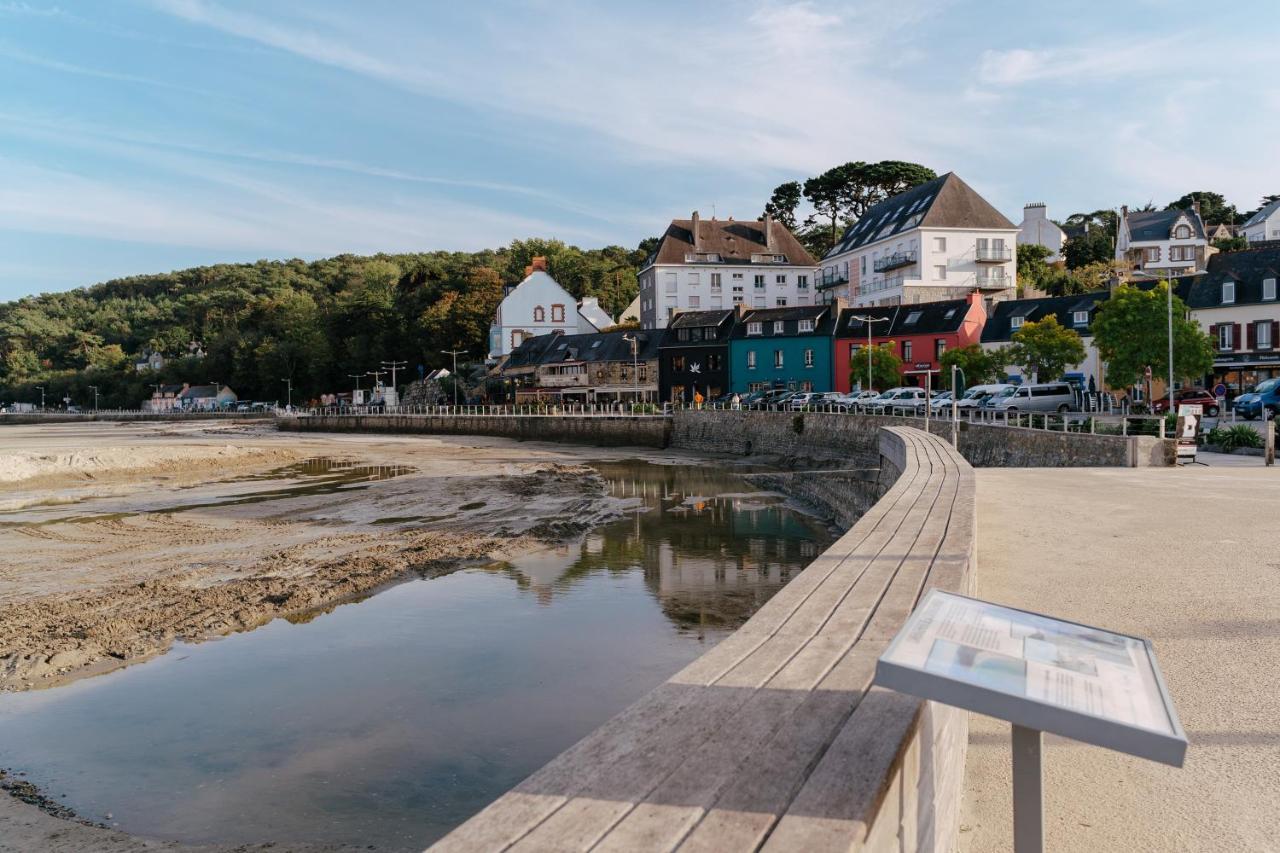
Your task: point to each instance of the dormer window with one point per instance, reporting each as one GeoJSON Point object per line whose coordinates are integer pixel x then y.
{"type": "Point", "coordinates": [1268, 289]}
{"type": "Point", "coordinates": [779, 327]}
{"type": "Point", "coordinates": [1228, 292]}
{"type": "Point", "coordinates": [912, 318]}
{"type": "Point", "coordinates": [1015, 322]}
{"type": "Point", "coordinates": [1080, 318]}
{"type": "Point", "coordinates": [755, 328]}
{"type": "Point", "coordinates": [1182, 232]}
{"type": "Point", "coordinates": [806, 325]}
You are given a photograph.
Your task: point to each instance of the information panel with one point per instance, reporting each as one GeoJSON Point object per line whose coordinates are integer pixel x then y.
{"type": "Point", "coordinates": [1073, 680]}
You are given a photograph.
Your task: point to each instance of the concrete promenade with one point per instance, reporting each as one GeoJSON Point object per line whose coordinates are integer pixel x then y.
{"type": "Point", "coordinates": [1189, 558]}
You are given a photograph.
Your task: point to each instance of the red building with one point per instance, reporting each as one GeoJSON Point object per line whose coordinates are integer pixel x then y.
{"type": "Point", "coordinates": [920, 334]}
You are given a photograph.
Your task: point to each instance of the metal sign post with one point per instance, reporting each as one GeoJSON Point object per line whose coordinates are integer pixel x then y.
{"type": "Point", "coordinates": [1042, 675]}
{"type": "Point", "coordinates": [1186, 431]}
{"type": "Point", "coordinates": [1268, 439]}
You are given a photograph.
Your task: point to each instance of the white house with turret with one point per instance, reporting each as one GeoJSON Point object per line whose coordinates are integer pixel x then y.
{"type": "Point", "coordinates": [538, 305]}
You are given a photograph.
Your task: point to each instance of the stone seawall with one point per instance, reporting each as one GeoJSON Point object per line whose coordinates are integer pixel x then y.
{"type": "Point", "coordinates": [641, 431]}
{"type": "Point", "coordinates": [846, 440]}
{"type": "Point", "coordinates": [842, 496]}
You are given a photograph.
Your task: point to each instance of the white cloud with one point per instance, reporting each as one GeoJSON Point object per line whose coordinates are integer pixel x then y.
{"type": "Point", "coordinates": [1115, 60]}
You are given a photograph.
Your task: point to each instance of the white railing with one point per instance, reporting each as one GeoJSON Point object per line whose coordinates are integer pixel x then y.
{"type": "Point", "coordinates": [521, 410]}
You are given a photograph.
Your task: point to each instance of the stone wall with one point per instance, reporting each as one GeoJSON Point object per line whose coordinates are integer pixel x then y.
{"type": "Point", "coordinates": [841, 496]}
{"type": "Point", "coordinates": [642, 431]}
{"type": "Point", "coordinates": [845, 440]}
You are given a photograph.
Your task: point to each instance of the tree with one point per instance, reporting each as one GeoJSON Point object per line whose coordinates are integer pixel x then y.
{"type": "Point", "coordinates": [1213, 207]}
{"type": "Point", "coordinates": [1131, 334]}
{"type": "Point", "coordinates": [1032, 266]}
{"type": "Point", "coordinates": [844, 193]}
{"type": "Point", "coordinates": [980, 367]}
{"type": "Point", "coordinates": [830, 192]}
{"type": "Point", "coordinates": [1092, 246]}
{"type": "Point", "coordinates": [1231, 244]}
{"type": "Point", "coordinates": [1044, 349]}
{"type": "Point", "coordinates": [886, 367]}
{"type": "Point", "coordinates": [783, 203]}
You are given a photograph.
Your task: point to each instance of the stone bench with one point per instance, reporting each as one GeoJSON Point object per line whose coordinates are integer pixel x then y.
{"type": "Point", "coordinates": [775, 739]}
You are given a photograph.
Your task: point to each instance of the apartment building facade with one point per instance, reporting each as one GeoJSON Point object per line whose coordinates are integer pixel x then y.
{"type": "Point", "coordinates": [721, 264]}
{"type": "Point", "coordinates": [1237, 301]}
{"type": "Point", "coordinates": [934, 242]}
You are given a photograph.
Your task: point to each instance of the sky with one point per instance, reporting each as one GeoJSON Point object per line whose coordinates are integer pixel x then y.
{"type": "Point", "coordinates": [149, 135]}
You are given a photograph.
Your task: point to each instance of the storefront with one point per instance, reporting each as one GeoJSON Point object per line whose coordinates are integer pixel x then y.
{"type": "Point", "coordinates": [1242, 371]}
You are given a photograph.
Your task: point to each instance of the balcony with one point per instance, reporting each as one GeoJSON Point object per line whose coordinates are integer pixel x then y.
{"type": "Point", "coordinates": [994, 281]}
{"type": "Point", "coordinates": [993, 254]}
{"type": "Point", "coordinates": [831, 279]}
{"type": "Point", "coordinates": [894, 261]}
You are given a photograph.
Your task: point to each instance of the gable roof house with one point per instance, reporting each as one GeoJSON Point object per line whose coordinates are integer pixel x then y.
{"type": "Point", "coordinates": [1163, 241]}
{"type": "Point", "coordinates": [1263, 225]}
{"type": "Point", "coordinates": [694, 356]}
{"type": "Point", "coordinates": [783, 348]}
{"type": "Point", "coordinates": [1072, 312]}
{"type": "Point", "coordinates": [715, 264]}
{"type": "Point", "coordinates": [1237, 302]}
{"type": "Point", "coordinates": [202, 397]}
{"type": "Point", "coordinates": [601, 367]}
{"type": "Point", "coordinates": [936, 241]}
{"type": "Point", "coordinates": [538, 305]}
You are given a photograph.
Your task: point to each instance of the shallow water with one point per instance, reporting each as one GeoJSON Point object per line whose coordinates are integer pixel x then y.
{"type": "Point", "coordinates": [390, 720]}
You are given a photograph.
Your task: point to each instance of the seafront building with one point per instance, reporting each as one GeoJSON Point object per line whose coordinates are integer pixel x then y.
{"type": "Point", "coordinates": [599, 368]}
{"type": "Point", "coordinates": [936, 241]}
{"type": "Point", "coordinates": [919, 334]}
{"type": "Point", "coordinates": [715, 264]}
{"type": "Point", "coordinates": [1236, 303]}
{"type": "Point", "coordinates": [538, 305]}
{"type": "Point", "coordinates": [1072, 312]}
{"type": "Point", "coordinates": [694, 356]}
{"type": "Point", "coordinates": [783, 348]}
{"type": "Point", "coordinates": [1163, 241]}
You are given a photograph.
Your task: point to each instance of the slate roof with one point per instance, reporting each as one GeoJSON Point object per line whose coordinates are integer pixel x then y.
{"type": "Point", "coordinates": [590, 309]}
{"type": "Point", "coordinates": [1246, 268]}
{"type": "Point", "coordinates": [170, 389]}
{"type": "Point", "coordinates": [196, 392]}
{"type": "Point", "coordinates": [1156, 224]}
{"type": "Point", "coordinates": [697, 319]}
{"type": "Point", "coordinates": [733, 240]}
{"type": "Point", "coordinates": [595, 347]}
{"type": "Point", "coordinates": [824, 317]}
{"type": "Point", "coordinates": [1263, 213]}
{"type": "Point", "coordinates": [944, 202]}
{"type": "Point", "coordinates": [934, 318]}
{"type": "Point", "coordinates": [999, 327]}
{"type": "Point", "coordinates": [720, 322]}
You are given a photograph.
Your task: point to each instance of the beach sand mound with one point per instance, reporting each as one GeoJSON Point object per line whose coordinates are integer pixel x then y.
{"type": "Point", "coordinates": [103, 462]}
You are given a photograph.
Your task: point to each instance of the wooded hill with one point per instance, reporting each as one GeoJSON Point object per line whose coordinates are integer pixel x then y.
{"type": "Point", "coordinates": [258, 324]}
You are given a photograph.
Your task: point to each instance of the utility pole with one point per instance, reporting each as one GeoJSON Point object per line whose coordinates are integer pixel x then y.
{"type": "Point", "coordinates": [1169, 281]}
{"type": "Point", "coordinates": [955, 405]}
{"type": "Point", "coordinates": [455, 353]}
{"type": "Point", "coordinates": [635, 367]}
{"type": "Point", "coordinates": [94, 389]}
{"type": "Point", "coordinates": [356, 377]}
{"type": "Point", "coordinates": [868, 319]}
{"type": "Point", "coordinates": [289, 382]}
{"type": "Point", "coordinates": [393, 366]}
{"type": "Point", "coordinates": [40, 388]}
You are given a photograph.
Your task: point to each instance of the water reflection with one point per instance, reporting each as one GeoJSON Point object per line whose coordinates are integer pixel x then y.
{"type": "Point", "coordinates": [389, 721]}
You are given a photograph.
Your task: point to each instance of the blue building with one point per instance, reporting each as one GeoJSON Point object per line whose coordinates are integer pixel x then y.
{"type": "Point", "coordinates": [783, 348]}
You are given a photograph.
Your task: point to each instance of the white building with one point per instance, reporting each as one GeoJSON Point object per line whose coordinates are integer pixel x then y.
{"type": "Point", "coordinates": [719, 263]}
{"type": "Point", "coordinates": [1072, 312]}
{"type": "Point", "coordinates": [938, 241]}
{"type": "Point", "coordinates": [1263, 225]}
{"type": "Point", "coordinates": [1163, 241]}
{"type": "Point", "coordinates": [1237, 302]}
{"type": "Point", "coordinates": [539, 306]}
{"type": "Point", "coordinates": [1037, 229]}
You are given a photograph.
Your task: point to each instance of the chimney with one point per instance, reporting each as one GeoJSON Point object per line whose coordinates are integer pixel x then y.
{"type": "Point", "coordinates": [697, 236]}
{"type": "Point", "coordinates": [1195, 205]}
{"type": "Point", "coordinates": [539, 264]}
{"type": "Point", "coordinates": [768, 231]}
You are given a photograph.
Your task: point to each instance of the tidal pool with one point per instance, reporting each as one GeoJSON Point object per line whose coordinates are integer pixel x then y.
{"type": "Point", "coordinates": [389, 720]}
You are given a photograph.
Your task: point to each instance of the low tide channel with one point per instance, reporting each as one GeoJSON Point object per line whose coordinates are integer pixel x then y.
{"type": "Point", "coordinates": [390, 720]}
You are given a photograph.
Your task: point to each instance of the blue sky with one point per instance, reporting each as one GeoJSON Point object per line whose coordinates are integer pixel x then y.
{"type": "Point", "coordinates": [148, 135]}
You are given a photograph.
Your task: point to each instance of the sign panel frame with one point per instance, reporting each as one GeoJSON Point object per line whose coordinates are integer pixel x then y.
{"type": "Point", "coordinates": [1164, 747]}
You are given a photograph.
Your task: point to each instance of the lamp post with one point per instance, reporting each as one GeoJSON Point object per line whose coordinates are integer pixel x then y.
{"type": "Point", "coordinates": [865, 318]}
{"type": "Point", "coordinates": [1167, 278]}
{"type": "Point", "coordinates": [289, 382]}
{"type": "Point", "coordinates": [955, 405]}
{"type": "Point", "coordinates": [40, 388]}
{"type": "Point", "coordinates": [635, 367]}
{"type": "Point", "coordinates": [356, 377]}
{"type": "Point", "coordinates": [455, 353]}
{"type": "Point", "coordinates": [94, 389]}
{"type": "Point", "coordinates": [393, 366]}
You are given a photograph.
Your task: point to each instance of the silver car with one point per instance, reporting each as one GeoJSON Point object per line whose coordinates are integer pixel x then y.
{"type": "Point", "coordinates": [1041, 397]}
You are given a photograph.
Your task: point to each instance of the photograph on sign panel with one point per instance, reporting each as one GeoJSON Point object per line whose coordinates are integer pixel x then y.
{"type": "Point", "coordinates": [989, 669]}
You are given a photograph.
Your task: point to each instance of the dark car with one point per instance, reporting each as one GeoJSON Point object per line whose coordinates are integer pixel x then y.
{"type": "Point", "coordinates": [1190, 396]}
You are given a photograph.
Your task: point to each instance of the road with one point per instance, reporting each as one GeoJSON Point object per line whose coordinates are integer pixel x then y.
{"type": "Point", "coordinates": [1189, 558]}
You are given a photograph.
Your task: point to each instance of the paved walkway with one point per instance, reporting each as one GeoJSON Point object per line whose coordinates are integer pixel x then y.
{"type": "Point", "coordinates": [1190, 558]}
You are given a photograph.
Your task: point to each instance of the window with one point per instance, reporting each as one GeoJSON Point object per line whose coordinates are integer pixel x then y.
{"type": "Point", "coordinates": [517, 338]}
{"type": "Point", "coordinates": [1080, 318]}
{"type": "Point", "coordinates": [677, 362]}
{"type": "Point", "coordinates": [751, 359]}
{"type": "Point", "coordinates": [539, 314]}
{"type": "Point", "coordinates": [758, 302]}
{"type": "Point", "coordinates": [906, 350]}
{"type": "Point", "coordinates": [1268, 289]}
{"type": "Point", "coordinates": [1224, 336]}
{"type": "Point", "coordinates": [780, 302]}
{"type": "Point", "coordinates": [802, 282]}
{"type": "Point", "coordinates": [695, 278]}
{"type": "Point", "coordinates": [940, 272]}
{"type": "Point", "coordinates": [759, 279]}
{"type": "Point", "coordinates": [670, 279]}
{"type": "Point", "coordinates": [682, 334]}
{"type": "Point", "coordinates": [780, 279]}
{"type": "Point", "coordinates": [755, 329]}
{"type": "Point", "coordinates": [1153, 254]}
{"type": "Point", "coordinates": [713, 361]}
{"type": "Point", "coordinates": [862, 265]}
{"type": "Point", "coordinates": [1262, 334]}
{"type": "Point", "coordinates": [737, 299]}
{"type": "Point", "coordinates": [912, 318]}
{"type": "Point", "coordinates": [939, 244]}
{"type": "Point", "coordinates": [808, 358]}
{"type": "Point", "coordinates": [557, 313]}
{"type": "Point", "coordinates": [806, 325]}
{"type": "Point", "coordinates": [1182, 232]}
{"type": "Point", "coordinates": [777, 358]}
{"type": "Point", "coordinates": [779, 327]}
{"type": "Point", "coordinates": [939, 347]}
{"type": "Point", "coordinates": [1228, 292]}
{"type": "Point", "coordinates": [695, 302]}
{"type": "Point", "coordinates": [715, 281]}
{"type": "Point", "coordinates": [1015, 322]}
{"type": "Point", "coordinates": [737, 276]}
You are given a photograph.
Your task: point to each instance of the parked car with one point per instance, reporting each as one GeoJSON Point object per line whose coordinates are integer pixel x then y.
{"type": "Point", "coordinates": [1040, 397]}
{"type": "Point", "coordinates": [974, 397]}
{"type": "Point", "coordinates": [939, 403]}
{"type": "Point", "coordinates": [802, 399]}
{"type": "Point", "coordinates": [1265, 397]}
{"type": "Point", "coordinates": [896, 398]}
{"type": "Point", "coordinates": [1192, 396]}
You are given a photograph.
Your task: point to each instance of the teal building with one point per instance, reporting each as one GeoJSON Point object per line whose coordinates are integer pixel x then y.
{"type": "Point", "coordinates": [783, 348]}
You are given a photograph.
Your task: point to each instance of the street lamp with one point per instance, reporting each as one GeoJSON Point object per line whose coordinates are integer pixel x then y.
{"type": "Point", "coordinates": [289, 382]}
{"type": "Point", "coordinates": [1167, 278]}
{"type": "Point", "coordinates": [94, 389]}
{"type": "Point", "coordinates": [635, 367]}
{"type": "Point", "coordinates": [40, 388]}
{"type": "Point", "coordinates": [455, 353]}
{"type": "Point", "coordinates": [869, 320]}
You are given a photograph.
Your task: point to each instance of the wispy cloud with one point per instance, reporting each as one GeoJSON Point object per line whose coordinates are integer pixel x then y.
{"type": "Point", "coordinates": [27, 58]}
{"type": "Point", "coordinates": [1112, 60]}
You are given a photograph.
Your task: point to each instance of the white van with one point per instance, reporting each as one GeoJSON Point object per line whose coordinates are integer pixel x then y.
{"type": "Point", "coordinates": [1043, 397]}
{"type": "Point", "coordinates": [974, 397]}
